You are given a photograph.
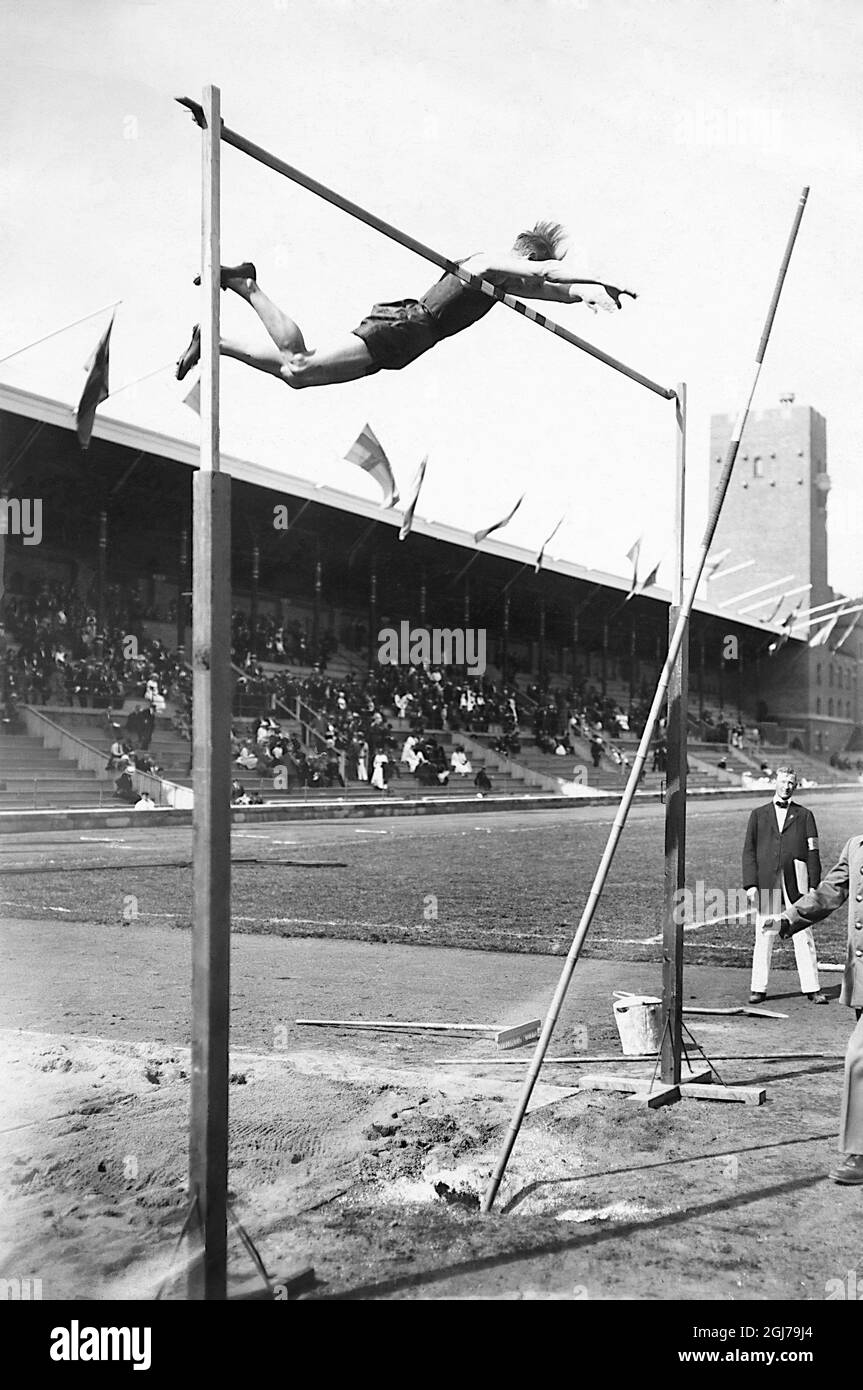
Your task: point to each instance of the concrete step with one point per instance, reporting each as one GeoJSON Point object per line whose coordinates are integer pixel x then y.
{"type": "Point", "coordinates": [37, 759]}
{"type": "Point", "coordinates": [77, 798]}
{"type": "Point", "coordinates": [51, 783]}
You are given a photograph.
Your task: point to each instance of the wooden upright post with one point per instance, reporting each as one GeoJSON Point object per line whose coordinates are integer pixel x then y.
{"type": "Point", "coordinates": [182, 587]}
{"type": "Point", "coordinates": [677, 641]}
{"type": "Point", "coordinates": [211, 657]}
{"type": "Point", "coordinates": [675, 805]}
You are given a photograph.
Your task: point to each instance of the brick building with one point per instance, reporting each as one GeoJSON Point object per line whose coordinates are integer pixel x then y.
{"type": "Point", "coordinates": [774, 530]}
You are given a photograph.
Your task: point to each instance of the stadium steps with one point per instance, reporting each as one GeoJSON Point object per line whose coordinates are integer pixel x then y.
{"type": "Point", "coordinates": [169, 750]}
{"type": "Point", "coordinates": [812, 769]}
{"type": "Point", "coordinates": [35, 777]}
{"type": "Point", "coordinates": [506, 775]}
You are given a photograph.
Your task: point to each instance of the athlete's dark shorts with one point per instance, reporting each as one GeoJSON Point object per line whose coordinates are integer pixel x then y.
{"type": "Point", "coordinates": [396, 334]}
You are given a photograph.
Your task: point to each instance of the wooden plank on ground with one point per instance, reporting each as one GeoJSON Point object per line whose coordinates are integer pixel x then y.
{"type": "Point", "coordinates": [513, 1036]}
{"type": "Point", "coordinates": [657, 1097]}
{"type": "Point", "coordinates": [738, 1011]}
{"type": "Point", "coordinates": [394, 1026]}
{"type": "Point", "coordinates": [584, 1060]}
{"type": "Point", "coordinates": [519, 1035]}
{"type": "Point", "coordinates": [743, 1095]}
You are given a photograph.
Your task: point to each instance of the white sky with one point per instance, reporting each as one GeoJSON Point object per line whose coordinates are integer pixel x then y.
{"type": "Point", "coordinates": [671, 138]}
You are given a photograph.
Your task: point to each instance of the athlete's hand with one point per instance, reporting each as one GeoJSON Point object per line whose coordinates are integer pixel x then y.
{"type": "Point", "coordinates": [614, 293]}
{"type": "Point", "coordinates": [606, 297]}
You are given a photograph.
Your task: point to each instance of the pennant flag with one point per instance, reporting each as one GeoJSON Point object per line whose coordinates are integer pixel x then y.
{"type": "Point", "coordinates": [538, 561]}
{"type": "Point", "coordinates": [632, 555]}
{"type": "Point", "coordinates": [95, 388]}
{"type": "Point", "coordinates": [847, 633]}
{"type": "Point", "coordinates": [651, 578]}
{"type": "Point", "coordinates": [193, 399]}
{"type": "Point", "coordinates": [783, 637]}
{"type": "Point", "coordinates": [366, 453]}
{"type": "Point", "coordinates": [713, 565]}
{"type": "Point", "coordinates": [408, 518]}
{"type": "Point", "coordinates": [825, 631]}
{"type": "Point", "coordinates": [481, 535]}
{"type": "Point", "coordinates": [772, 617]}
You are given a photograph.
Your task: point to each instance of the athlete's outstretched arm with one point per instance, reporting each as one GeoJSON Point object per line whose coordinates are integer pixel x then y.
{"type": "Point", "coordinates": [549, 280]}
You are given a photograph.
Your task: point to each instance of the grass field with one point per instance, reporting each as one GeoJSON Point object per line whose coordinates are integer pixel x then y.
{"type": "Point", "coordinates": [512, 881]}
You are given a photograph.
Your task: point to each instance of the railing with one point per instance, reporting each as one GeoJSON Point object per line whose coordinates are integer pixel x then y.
{"type": "Point", "coordinates": [35, 799]}
{"type": "Point", "coordinates": [310, 733]}
{"type": "Point", "coordinates": [72, 748]}
{"type": "Point", "coordinates": [90, 759]}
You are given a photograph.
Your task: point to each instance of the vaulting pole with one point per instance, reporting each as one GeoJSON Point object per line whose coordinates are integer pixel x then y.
{"type": "Point", "coordinates": [211, 709]}
{"type": "Point", "coordinates": [280, 166]}
{"type": "Point", "coordinates": [643, 747]}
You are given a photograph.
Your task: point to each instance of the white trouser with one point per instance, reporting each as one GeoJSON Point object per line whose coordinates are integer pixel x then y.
{"type": "Point", "coordinates": [804, 952]}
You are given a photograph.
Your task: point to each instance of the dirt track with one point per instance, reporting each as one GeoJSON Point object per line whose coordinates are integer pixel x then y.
{"type": "Point", "coordinates": [339, 1138]}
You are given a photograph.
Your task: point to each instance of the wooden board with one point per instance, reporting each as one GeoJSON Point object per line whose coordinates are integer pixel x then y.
{"type": "Point", "coordinates": [635, 1084]}
{"type": "Point", "coordinates": [739, 1010]}
{"type": "Point", "coordinates": [519, 1035]}
{"type": "Point", "coordinates": [656, 1098]}
{"type": "Point", "coordinates": [584, 1060]}
{"type": "Point", "coordinates": [514, 1036]}
{"type": "Point", "coordinates": [743, 1095]}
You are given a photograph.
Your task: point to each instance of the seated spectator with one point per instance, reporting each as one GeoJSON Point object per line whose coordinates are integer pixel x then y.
{"type": "Point", "coordinates": [482, 781]}
{"type": "Point", "coordinates": [426, 774]}
{"type": "Point", "coordinates": [145, 802]}
{"type": "Point", "coordinates": [246, 757]}
{"type": "Point", "coordinates": [459, 762]}
{"type": "Point", "coordinates": [123, 787]}
{"type": "Point", "coordinates": [409, 754]}
{"type": "Point", "coordinates": [118, 750]}
{"type": "Point", "coordinates": [143, 762]}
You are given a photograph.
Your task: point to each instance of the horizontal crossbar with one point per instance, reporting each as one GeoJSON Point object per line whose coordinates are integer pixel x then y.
{"type": "Point", "coordinates": [239, 142]}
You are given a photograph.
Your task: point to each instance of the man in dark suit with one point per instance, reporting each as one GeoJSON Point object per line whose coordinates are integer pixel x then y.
{"type": "Point", "coordinates": [780, 863]}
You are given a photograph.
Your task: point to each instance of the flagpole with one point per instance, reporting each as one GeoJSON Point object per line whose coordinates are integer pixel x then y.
{"type": "Point", "coordinates": [54, 332]}
{"type": "Point", "coordinates": [211, 817]}
{"type": "Point", "coordinates": [138, 380]}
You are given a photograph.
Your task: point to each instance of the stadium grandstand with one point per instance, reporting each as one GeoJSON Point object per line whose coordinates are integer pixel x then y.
{"type": "Point", "coordinates": [96, 632]}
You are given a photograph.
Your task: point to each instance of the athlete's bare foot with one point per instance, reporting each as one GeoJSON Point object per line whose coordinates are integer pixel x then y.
{"type": "Point", "coordinates": [191, 356]}
{"type": "Point", "coordinates": [240, 278]}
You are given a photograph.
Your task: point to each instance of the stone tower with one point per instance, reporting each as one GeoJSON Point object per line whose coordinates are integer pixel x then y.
{"type": "Point", "coordinates": [775, 512]}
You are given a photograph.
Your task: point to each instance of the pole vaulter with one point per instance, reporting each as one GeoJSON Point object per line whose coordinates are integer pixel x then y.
{"type": "Point", "coordinates": [558, 290]}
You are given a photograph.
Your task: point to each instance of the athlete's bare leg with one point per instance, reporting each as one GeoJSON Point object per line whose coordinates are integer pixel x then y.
{"type": "Point", "coordinates": [284, 332]}
{"type": "Point", "coordinates": [348, 360]}
{"type": "Point", "coordinates": [290, 359]}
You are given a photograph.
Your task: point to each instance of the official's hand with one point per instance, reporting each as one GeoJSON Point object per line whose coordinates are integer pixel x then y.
{"type": "Point", "coordinates": [785, 928]}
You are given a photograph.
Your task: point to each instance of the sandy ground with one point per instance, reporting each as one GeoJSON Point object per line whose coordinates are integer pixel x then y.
{"type": "Point", "coordinates": [364, 1154]}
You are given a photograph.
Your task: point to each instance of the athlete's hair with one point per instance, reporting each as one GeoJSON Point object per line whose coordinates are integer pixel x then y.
{"type": "Point", "coordinates": [789, 768]}
{"type": "Point", "coordinates": [543, 243]}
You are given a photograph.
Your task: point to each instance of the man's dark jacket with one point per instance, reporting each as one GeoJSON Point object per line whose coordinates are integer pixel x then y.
{"type": "Point", "coordinates": [766, 853]}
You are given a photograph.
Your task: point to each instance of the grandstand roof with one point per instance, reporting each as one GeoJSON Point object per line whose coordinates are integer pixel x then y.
{"type": "Point", "coordinates": [58, 413]}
